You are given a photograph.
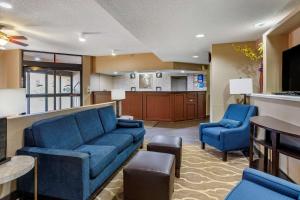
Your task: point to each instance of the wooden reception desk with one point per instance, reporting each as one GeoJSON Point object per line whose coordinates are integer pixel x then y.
{"type": "Point", "coordinates": [160, 106]}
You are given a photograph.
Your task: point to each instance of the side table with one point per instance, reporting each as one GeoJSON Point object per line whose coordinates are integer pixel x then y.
{"type": "Point", "coordinates": [19, 166]}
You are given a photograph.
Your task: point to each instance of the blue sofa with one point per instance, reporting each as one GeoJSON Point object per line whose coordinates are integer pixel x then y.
{"type": "Point", "coordinates": [261, 186]}
{"type": "Point", "coordinates": [77, 153]}
{"type": "Point", "coordinates": [229, 139]}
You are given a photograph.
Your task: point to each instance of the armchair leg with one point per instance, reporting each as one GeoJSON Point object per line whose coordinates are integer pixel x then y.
{"type": "Point", "coordinates": [202, 145]}
{"type": "Point", "coordinates": [225, 156]}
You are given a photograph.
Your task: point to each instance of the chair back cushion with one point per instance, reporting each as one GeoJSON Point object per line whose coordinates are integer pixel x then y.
{"type": "Point", "coordinates": [89, 124]}
{"type": "Point", "coordinates": [108, 118]}
{"type": "Point", "coordinates": [57, 133]}
{"type": "Point", "coordinates": [237, 112]}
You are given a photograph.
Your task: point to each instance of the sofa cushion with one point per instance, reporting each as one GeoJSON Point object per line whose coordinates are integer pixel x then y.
{"type": "Point", "coordinates": [230, 123]}
{"type": "Point", "coordinates": [257, 192]}
{"type": "Point", "coordinates": [57, 133]}
{"type": "Point", "coordinates": [99, 156]}
{"type": "Point", "coordinates": [136, 133]}
{"type": "Point", "coordinates": [89, 124]}
{"type": "Point", "coordinates": [119, 141]}
{"type": "Point", "coordinates": [108, 118]}
{"type": "Point", "coordinates": [237, 112]}
{"type": "Point", "coordinates": [213, 132]}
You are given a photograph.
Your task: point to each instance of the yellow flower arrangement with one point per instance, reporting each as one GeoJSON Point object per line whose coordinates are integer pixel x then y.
{"type": "Point", "coordinates": [254, 54]}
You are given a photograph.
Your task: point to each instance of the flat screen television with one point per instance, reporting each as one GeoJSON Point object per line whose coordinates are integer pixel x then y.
{"type": "Point", "coordinates": [291, 70]}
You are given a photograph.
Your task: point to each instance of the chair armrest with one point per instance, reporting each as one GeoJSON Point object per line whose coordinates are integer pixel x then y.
{"type": "Point", "coordinates": [140, 122]}
{"type": "Point", "coordinates": [206, 125]}
{"type": "Point", "coordinates": [235, 138]}
{"type": "Point", "coordinates": [61, 173]}
{"type": "Point", "coordinates": [273, 183]}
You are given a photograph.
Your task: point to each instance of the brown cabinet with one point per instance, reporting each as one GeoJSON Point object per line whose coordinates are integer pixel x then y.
{"type": "Point", "coordinates": [160, 106]}
{"type": "Point", "coordinates": [133, 105]}
{"type": "Point", "coordinates": [191, 104]}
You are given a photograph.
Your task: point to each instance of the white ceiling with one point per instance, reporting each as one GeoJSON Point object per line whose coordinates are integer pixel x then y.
{"type": "Point", "coordinates": [168, 27]}
{"type": "Point", "coordinates": [55, 25]}
{"type": "Point", "coordinates": [165, 27]}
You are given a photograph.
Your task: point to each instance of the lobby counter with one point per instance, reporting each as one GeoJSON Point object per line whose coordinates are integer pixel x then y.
{"type": "Point", "coordinates": [160, 106]}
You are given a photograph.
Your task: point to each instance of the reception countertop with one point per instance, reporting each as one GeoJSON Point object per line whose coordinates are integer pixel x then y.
{"type": "Point", "coordinates": [276, 97]}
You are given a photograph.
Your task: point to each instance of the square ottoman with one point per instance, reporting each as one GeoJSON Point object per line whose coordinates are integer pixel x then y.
{"type": "Point", "coordinates": [149, 176]}
{"type": "Point", "coordinates": [168, 144]}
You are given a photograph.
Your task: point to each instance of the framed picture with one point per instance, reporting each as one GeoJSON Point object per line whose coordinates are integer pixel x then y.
{"type": "Point", "coordinates": [158, 75]}
{"type": "Point", "coordinates": [133, 89]}
{"type": "Point", "coordinates": [146, 81]}
{"type": "Point", "coordinates": [158, 89]}
{"type": "Point", "coordinates": [132, 75]}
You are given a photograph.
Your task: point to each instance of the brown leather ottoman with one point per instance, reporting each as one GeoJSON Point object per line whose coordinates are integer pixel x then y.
{"type": "Point", "coordinates": [149, 176]}
{"type": "Point", "coordinates": [168, 144]}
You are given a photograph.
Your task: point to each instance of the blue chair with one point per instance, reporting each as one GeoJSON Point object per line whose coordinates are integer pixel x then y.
{"type": "Point", "coordinates": [261, 186]}
{"type": "Point", "coordinates": [232, 132]}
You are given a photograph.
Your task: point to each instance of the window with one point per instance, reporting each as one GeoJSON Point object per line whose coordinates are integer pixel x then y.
{"type": "Point", "coordinates": [51, 85]}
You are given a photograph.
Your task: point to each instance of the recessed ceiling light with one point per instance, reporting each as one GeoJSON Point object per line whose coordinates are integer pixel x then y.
{"type": "Point", "coordinates": [195, 56]}
{"type": "Point", "coordinates": [81, 39]}
{"type": "Point", "coordinates": [200, 36]}
{"type": "Point", "coordinates": [5, 5]}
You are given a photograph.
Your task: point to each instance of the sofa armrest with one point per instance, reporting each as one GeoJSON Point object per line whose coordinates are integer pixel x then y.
{"type": "Point", "coordinates": [273, 183]}
{"type": "Point", "coordinates": [140, 122]}
{"type": "Point", "coordinates": [61, 173]}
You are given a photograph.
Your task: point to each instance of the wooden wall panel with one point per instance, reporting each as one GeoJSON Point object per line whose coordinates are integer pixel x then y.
{"type": "Point", "coordinates": [158, 106]}
{"type": "Point", "coordinates": [191, 104]}
{"type": "Point", "coordinates": [201, 105]}
{"type": "Point", "coordinates": [101, 97]}
{"type": "Point", "coordinates": [133, 105]}
{"type": "Point", "coordinates": [179, 107]}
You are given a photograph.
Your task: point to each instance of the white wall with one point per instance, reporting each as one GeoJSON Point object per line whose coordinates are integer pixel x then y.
{"type": "Point", "coordinates": [106, 82]}
{"type": "Point", "coordinates": [100, 82]}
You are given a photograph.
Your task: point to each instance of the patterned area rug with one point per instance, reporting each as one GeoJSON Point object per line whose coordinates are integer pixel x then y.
{"type": "Point", "coordinates": [204, 176]}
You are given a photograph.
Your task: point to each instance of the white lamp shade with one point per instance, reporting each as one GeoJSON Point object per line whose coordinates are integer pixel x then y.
{"type": "Point", "coordinates": [118, 94]}
{"type": "Point", "coordinates": [12, 102]}
{"type": "Point", "coordinates": [241, 86]}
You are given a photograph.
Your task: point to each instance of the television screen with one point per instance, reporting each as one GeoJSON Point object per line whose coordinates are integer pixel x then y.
{"type": "Point", "coordinates": [291, 69]}
{"type": "Point", "coordinates": [2, 139]}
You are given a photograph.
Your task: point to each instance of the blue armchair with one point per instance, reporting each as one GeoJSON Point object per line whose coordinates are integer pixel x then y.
{"type": "Point", "coordinates": [261, 186]}
{"type": "Point", "coordinates": [229, 139]}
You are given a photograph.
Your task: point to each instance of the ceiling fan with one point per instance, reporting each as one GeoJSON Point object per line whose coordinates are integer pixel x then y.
{"type": "Point", "coordinates": [4, 39]}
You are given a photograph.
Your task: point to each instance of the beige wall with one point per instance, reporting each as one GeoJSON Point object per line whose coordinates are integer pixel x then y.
{"type": "Point", "coordinates": [294, 38]}
{"type": "Point", "coordinates": [10, 69]}
{"type": "Point", "coordinates": [137, 62]}
{"type": "Point", "coordinates": [228, 64]}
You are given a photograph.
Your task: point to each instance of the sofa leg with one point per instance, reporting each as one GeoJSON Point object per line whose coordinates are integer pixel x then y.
{"type": "Point", "coordinates": [202, 145]}
{"type": "Point", "coordinates": [225, 156]}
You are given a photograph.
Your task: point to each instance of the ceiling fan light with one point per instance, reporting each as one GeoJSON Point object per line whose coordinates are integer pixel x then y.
{"type": "Point", "coordinates": [3, 42]}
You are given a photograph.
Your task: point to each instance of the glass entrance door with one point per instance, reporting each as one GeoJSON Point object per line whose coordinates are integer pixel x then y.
{"type": "Point", "coordinates": [49, 89]}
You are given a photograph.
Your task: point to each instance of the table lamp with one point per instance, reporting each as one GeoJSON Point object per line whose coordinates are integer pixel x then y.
{"type": "Point", "coordinates": [118, 95]}
{"type": "Point", "coordinates": [242, 86]}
